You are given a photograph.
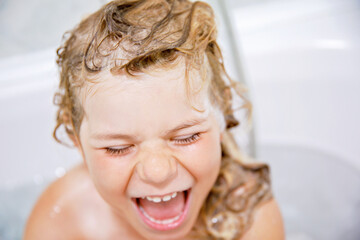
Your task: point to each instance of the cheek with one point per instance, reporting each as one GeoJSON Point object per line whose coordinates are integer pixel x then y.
{"type": "Point", "coordinates": [205, 158]}
{"type": "Point", "coordinates": [108, 173]}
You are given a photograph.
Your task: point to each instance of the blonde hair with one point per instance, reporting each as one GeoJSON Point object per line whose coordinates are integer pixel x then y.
{"type": "Point", "coordinates": [134, 35]}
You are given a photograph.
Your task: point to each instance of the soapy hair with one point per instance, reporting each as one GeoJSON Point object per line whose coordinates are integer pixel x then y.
{"type": "Point", "coordinates": [130, 36]}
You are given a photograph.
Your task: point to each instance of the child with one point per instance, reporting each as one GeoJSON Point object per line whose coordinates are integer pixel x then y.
{"type": "Point", "coordinates": [145, 98]}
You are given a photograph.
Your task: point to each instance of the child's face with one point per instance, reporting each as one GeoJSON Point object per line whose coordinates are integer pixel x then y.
{"type": "Point", "coordinates": [141, 138]}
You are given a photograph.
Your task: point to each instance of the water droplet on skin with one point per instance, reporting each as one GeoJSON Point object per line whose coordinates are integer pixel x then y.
{"type": "Point", "coordinates": [57, 209]}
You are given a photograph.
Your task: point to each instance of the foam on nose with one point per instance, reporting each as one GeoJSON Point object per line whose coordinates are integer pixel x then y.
{"type": "Point", "coordinates": [164, 210]}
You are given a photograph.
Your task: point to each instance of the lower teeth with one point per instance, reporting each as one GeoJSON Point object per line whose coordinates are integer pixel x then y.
{"type": "Point", "coordinates": [166, 221]}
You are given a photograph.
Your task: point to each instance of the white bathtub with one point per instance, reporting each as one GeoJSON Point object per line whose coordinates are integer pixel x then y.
{"type": "Point", "coordinates": [27, 85]}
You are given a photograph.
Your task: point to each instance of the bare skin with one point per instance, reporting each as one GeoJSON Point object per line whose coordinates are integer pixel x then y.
{"type": "Point", "coordinates": [71, 208]}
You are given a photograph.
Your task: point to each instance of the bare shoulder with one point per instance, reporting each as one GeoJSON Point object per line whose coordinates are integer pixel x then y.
{"type": "Point", "coordinates": [268, 223]}
{"type": "Point", "coordinates": [57, 213]}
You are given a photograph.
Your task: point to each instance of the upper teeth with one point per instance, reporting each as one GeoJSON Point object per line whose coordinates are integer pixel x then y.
{"type": "Point", "coordinates": [164, 198]}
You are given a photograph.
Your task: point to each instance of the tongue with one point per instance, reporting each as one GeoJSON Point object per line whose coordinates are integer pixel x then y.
{"type": "Point", "coordinates": [164, 210]}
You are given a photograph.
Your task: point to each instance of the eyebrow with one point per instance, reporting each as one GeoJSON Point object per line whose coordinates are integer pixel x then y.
{"type": "Point", "coordinates": [186, 124]}
{"type": "Point", "coordinates": [112, 136]}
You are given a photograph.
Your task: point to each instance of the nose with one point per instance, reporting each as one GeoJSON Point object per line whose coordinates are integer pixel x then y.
{"type": "Point", "coordinates": [156, 167]}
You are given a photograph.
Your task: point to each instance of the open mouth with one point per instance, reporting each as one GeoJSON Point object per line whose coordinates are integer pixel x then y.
{"type": "Point", "coordinates": [164, 212]}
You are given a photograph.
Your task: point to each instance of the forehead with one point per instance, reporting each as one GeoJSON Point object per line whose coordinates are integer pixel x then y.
{"type": "Point", "coordinates": [192, 82]}
{"type": "Point", "coordinates": [157, 93]}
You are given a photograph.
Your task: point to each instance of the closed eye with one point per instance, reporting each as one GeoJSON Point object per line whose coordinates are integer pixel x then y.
{"type": "Point", "coordinates": [119, 150]}
{"type": "Point", "coordinates": [115, 151]}
{"type": "Point", "coordinates": [187, 140]}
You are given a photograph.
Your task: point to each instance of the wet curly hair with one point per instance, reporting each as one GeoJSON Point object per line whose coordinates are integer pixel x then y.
{"type": "Point", "coordinates": [129, 36]}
